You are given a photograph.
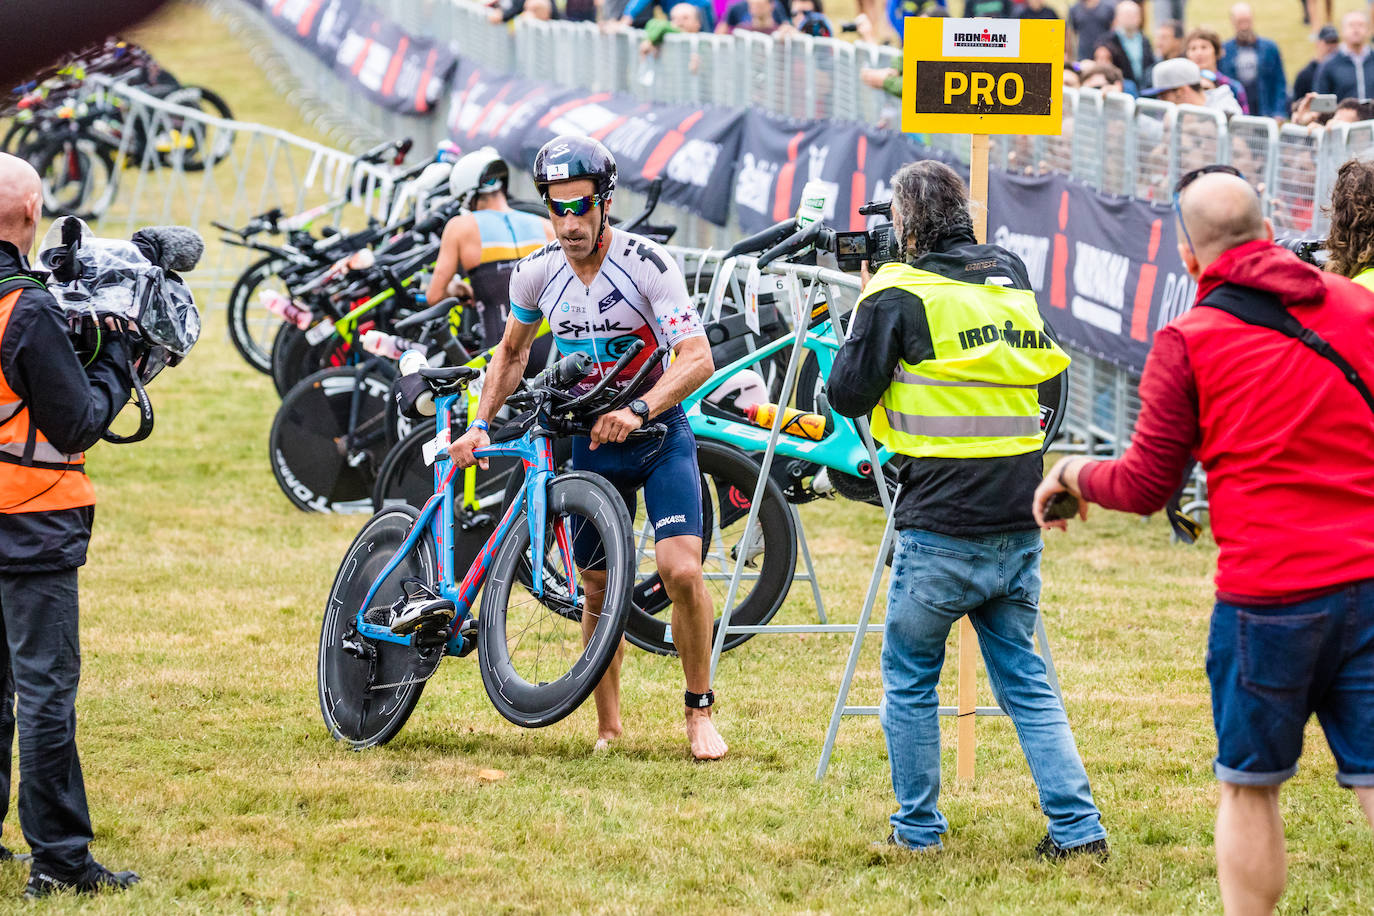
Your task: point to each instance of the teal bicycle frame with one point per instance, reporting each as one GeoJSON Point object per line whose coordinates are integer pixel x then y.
{"type": "Point", "coordinates": [841, 449]}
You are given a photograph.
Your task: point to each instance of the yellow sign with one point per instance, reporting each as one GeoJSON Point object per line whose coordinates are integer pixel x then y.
{"type": "Point", "coordinates": [983, 76]}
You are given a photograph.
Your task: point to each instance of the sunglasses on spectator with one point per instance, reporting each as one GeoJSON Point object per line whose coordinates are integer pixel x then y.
{"type": "Point", "coordinates": [1187, 179]}
{"type": "Point", "coordinates": [577, 206]}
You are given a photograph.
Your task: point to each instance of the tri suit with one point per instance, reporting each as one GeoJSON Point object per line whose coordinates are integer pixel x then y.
{"type": "Point", "coordinates": [506, 236]}
{"type": "Point", "coordinates": [638, 295]}
{"type": "Point", "coordinates": [51, 409]}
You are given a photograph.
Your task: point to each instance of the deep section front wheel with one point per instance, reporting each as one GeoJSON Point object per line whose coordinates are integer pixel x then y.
{"type": "Point", "coordinates": [367, 689]}
{"type": "Point", "coordinates": [535, 665]}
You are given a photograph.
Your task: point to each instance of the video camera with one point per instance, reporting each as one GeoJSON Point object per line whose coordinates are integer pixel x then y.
{"type": "Point", "coordinates": [877, 246]}
{"type": "Point", "coordinates": [1313, 251]}
{"type": "Point", "coordinates": [134, 285]}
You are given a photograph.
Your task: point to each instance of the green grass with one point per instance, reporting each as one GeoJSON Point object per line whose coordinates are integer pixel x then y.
{"type": "Point", "coordinates": [209, 770]}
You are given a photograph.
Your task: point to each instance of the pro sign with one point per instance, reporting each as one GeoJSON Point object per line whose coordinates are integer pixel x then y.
{"type": "Point", "coordinates": [983, 76]}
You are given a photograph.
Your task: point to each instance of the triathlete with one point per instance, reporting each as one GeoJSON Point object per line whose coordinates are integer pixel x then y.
{"type": "Point", "coordinates": [485, 243]}
{"type": "Point", "coordinates": [601, 289]}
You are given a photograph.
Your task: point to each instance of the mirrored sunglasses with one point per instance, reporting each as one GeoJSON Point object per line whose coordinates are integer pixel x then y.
{"type": "Point", "coordinates": [577, 206]}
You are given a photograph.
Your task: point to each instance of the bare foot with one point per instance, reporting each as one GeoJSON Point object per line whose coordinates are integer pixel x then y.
{"type": "Point", "coordinates": [604, 737]}
{"type": "Point", "coordinates": [707, 744]}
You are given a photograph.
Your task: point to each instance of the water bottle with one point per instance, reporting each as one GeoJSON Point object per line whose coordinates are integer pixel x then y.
{"type": "Point", "coordinates": [412, 361]}
{"type": "Point", "coordinates": [391, 346]}
{"type": "Point", "coordinates": [285, 309]}
{"type": "Point", "coordinates": [794, 422]}
{"type": "Point", "coordinates": [812, 206]}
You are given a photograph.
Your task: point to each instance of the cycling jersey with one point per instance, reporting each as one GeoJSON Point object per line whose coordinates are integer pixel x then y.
{"type": "Point", "coordinates": [507, 236]}
{"type": "Point", "coordinates": [639, 294]}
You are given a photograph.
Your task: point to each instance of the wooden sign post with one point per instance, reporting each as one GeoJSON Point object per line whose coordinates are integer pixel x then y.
{"type": "Point", "coordinates": [980, 77]}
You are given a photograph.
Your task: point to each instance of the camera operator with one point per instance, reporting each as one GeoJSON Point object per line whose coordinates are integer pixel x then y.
{"type": "Point", "coordinates": [949, 346]}
{"type": "Point", "coordinates": [50, 410]}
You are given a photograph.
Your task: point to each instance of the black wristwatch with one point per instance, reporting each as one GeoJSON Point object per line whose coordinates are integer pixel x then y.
{"type": "Point", "coordinates": [641, 410]}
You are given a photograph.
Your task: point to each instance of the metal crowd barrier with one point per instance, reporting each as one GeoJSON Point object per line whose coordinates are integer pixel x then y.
{"type": "Point", "coordinates": [1112, 142]}
{"type": "Point", "coordinates": [255, 168]}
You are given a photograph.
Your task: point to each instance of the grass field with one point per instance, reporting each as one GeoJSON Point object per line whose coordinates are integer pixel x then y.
{"type": "Point", "coordinates": [209, 770]}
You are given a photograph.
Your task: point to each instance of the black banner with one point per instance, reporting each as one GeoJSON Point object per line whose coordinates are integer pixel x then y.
{"type": "Point", "coordinates": [1105, 269]}
{"type": "Point", "coordinates": [690, 146]}
{"type": "Point", "coordinates": [852, 164]}
{"type": "Point", "coordinates": [319, 25]}
{"type": "Point", "coordinates": [398, 70]}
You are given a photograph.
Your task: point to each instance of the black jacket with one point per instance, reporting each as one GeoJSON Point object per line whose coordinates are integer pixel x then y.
{"type": "Point", "coordinates": [1122, 61]}
{"type": "Point", "coordinates": [70, 405]}
{"type": "Point", "coordinates": [955, 496]}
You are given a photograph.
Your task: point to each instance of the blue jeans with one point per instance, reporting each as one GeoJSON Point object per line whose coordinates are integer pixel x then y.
{"type": "Point", "coordinates": [995, 579]}
{"type": "Point", "coordinates": [1271, 668]}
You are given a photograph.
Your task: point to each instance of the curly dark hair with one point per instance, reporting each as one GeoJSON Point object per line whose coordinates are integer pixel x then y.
{"type": "Point", "coordinates": [1351, 239]}
{"type": "Point", "coordinates": [933, 204]}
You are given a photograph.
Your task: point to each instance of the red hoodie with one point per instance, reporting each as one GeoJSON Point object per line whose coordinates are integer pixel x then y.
{"type": "Point", "coordinates": [1287, 442]}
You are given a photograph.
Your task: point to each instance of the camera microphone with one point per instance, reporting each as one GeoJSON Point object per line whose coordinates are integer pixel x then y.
{"type": "Point", "coordinates": [174, 248]}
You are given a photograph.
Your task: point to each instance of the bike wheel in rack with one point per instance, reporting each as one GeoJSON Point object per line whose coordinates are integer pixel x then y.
{"type": "Point", "coordinates": [535, 666]}
{"type": "Point", "coordinates": [728, 477]}
{"type": "Point", "coordinates": [368, 689]}
{"type": "Point", "coordinates": [251, 327]}
{"type": "Point", "coordinates": [311, 459]}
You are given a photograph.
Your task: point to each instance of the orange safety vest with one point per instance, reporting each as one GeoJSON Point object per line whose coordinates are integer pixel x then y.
{"type": "Point", "coordinates": [34, 475]}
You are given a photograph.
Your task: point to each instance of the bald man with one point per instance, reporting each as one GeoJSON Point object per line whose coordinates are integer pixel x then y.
{"type": "Point", "coordinates": [51, 409]}
{"type": "Point", "coordinates": [1285, 438]}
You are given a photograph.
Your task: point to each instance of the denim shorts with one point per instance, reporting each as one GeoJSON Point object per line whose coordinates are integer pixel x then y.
{"type": "Point", "coordinates": [1271, 668]}
{"type": "Point", "coordinates": [666, 470]}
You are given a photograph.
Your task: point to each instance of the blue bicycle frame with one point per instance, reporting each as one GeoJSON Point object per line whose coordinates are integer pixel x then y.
{"type": "Point", "coordinates": [842, 448]}
{"type": "Point", "coordinates": [437, 520]}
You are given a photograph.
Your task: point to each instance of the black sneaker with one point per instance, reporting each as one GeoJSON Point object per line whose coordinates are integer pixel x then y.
{"type": "Point", "coordinates": [98, 878]}
{"type": "Point", "coordinates": [1049, 849]}
{"type": "Point", "coordinates": [6, 855]}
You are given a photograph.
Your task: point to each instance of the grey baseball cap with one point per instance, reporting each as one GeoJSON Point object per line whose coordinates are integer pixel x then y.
{"type": "Point", "coordinates": [1173, 74]}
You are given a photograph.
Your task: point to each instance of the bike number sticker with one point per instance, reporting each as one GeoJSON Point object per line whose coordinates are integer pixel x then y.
{"type": "Point", "coordinates": [751, 299]}
{"type": "Point", "coordinates": [720, 284]}
{"type": "Point", "coordinates": [319, 332]}
{"type": "Point", "coordinates": [433, 447]}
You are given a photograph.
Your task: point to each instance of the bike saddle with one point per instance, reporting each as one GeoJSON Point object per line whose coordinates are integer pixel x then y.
{"type": "Point", "coordinates": [448, 378]}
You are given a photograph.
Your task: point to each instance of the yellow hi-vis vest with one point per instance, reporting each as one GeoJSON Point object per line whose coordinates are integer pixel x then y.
{"type": "Point", "coordinates": [977, 397]}
{"type": "Point", "coordinates": [1365, 278]}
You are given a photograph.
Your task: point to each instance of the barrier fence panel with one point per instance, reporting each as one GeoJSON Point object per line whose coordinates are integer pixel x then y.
{"type": "Point", "coordinates": [1295, 198]}
{"type": "Point", "coordinates": [1254, 148]}
{"type": "Point", "coordinates": [1086, 145]}
{"type": "Point", "coordinates": [1118, 143]}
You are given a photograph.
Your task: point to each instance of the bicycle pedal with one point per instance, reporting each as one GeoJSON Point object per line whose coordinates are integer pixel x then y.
{"type": "Point", "coordinates": [424, 613]}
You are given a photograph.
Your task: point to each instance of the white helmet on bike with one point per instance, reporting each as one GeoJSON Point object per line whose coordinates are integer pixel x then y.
{"type": "Point", "coordinates": [481, 171]}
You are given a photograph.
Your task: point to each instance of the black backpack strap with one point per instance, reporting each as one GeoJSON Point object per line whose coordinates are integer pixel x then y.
{"type": "Point", "coordinates": [1266, 311]}
{"type": "Point", "coordinates": [19, 281]}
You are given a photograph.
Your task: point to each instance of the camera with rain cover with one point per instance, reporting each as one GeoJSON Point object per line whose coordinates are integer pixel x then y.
{"type": "Point", "coordinates": [877, 245]}
{"type": "Point", "coordinates": [132, 285]}
{"type": "Point", "coordinates": [1313, 251]}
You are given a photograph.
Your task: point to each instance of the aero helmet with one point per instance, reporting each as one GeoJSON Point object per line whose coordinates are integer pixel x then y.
{"type": "Point", "coordinates": [479, 172]}
{"type": "Point", "coordinates": [569, 156]}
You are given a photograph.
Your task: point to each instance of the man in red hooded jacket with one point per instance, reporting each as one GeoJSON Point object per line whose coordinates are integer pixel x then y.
{"type": "Point", "coordinates": [1286, 440]}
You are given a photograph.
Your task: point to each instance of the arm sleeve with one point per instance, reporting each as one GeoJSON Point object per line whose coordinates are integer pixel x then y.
{"type": "Point", "coordinates": [70, 405]}
{"type": "Point", "coordinates": [1144, 478]}
{"type": "Point", "coordinates": [884, 331]}
{"type": "Point", "coordinates": [524, 292]}
{"type": "Point", "coordinates": [674, 312]}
